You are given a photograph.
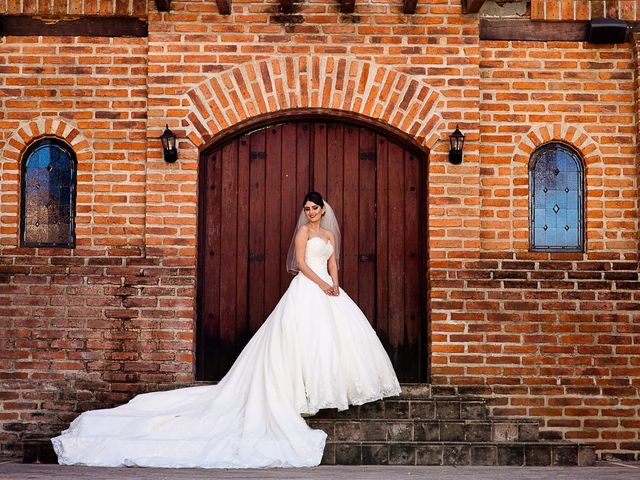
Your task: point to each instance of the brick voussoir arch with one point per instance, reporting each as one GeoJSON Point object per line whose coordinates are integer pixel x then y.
{"type": "Point", "coordinates": [305, 82]}
{"type": "Point", "coordinates": [36, 128]}
{"type": "Point", "coordinates": [572, 135]}
{"type": "Point", "coordinates": [11, 153]}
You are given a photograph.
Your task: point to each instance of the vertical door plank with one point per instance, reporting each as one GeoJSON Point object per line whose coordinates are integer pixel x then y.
{"type": "Point", "coordinates": [288, 200]}
{"type": "Point", "coordinates": [257, 197]}
{"type": "Point", "coordinates": [412, 265]}
{"type": "Point", "coordinates": [349, 225]}
{"type": "Point", "coordinates": [319, 178]}
{"type": "Point", "coordinates": [228, 246]}
{"type": "Point", "coordinates": [272, 261]}
{"type": "Point", "coordinates": [211, 287]}
{"type": "Point", "coordinates": [242, 260]}
{"type": "Point", "coordinates": [382, 239]}
{"type": "Point", "coordinates": [304, 153]}
{"type": "Point", "coordinates": [367, 225]}
{"type": "Point", "coordinates": [335, 168]}
{"type": "Point", "coordinates": [423, 284]}
{"type": "Point", "coordinates": [396, 252]}
{"type": "Point", "coordinates": [203, 355]}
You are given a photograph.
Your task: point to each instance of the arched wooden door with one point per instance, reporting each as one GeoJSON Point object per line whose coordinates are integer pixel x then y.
{"type": "Point", "coordinates": [251, 192]}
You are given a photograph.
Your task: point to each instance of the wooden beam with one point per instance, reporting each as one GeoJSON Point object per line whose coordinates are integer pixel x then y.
{"type": "Point", "coordinates": [27, 26]}
{"type": "Point", "coordinates": [224, 7]}
{"type": "Point", "coordinates": [472, 6]}
{"type": "Point", "coordinates": [409, 6]}
{"type": "Point", "coordinates": [523, 29]}
{"type": "Point", "coordinates": [163, 5]}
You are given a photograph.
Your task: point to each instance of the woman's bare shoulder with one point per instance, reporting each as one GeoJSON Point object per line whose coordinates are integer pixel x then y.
{"type": "Point", "coordinates": [303, 232]}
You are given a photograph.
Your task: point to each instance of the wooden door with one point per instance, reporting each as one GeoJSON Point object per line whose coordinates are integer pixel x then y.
{"type": "Point", "coordinates": [251, 192]}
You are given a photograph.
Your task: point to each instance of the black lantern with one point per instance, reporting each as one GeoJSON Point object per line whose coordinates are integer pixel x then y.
{"type": "Point", "coordinates": [457, 141]}
{"type": "Point", "coordinates": [169, 145]}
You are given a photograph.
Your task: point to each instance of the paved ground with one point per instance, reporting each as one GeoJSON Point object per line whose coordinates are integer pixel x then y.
{"type": "Point", "coordinates": [10, 470]}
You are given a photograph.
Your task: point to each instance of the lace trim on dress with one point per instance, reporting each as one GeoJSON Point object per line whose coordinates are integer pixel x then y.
{"type": "Point", "coordinates": [386, 391]}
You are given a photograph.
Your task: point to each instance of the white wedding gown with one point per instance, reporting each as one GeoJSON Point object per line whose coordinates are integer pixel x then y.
{"type": "Point", "coordinates": [314, 351]}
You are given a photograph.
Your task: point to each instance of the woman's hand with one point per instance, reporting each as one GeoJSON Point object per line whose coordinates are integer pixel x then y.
{"type": "Point", "coordinates": [326, 288]}
{"type": "Point", "coordinates": [335, 289]}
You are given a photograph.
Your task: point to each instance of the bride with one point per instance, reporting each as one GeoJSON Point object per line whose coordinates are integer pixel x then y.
{"type": "Point", "coordinates": [315, 350]}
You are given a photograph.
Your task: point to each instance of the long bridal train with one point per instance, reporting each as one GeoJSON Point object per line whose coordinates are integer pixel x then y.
{"type": "Point", "coordinates": [314, 351]}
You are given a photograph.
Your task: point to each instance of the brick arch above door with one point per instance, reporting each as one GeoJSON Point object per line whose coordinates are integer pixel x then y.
{"type": "Point", "coordinates": [312, 82]}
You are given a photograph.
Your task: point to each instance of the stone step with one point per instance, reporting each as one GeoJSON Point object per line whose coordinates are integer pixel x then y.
{"type": "Point", "coordinates": [434, 408]}
{"type": "Point", "coordinates": [422, 390]}
{"type": "Point", "coordinates": [459, 453]}
{"type": "Point", "coordinates": [416, 390]}
{"type": "Point", "coordinates": [496, 430]}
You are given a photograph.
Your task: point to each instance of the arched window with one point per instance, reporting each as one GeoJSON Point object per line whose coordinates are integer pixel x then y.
{"type": "Point", "coordinates": [48, 195]}
{"type": "Point", "coordinates": [556, 199]}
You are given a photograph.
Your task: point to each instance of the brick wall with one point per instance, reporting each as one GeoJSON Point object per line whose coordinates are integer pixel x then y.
{"type": "Point", "coordinates": [74, 7]}
{"type": "Point", "coordinates": [556, 10]}
{"type": "Point", "coordinates": [545, 335]}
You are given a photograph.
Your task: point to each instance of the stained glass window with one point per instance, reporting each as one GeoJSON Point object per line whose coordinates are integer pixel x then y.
{"type": "Point", "coordinates": [555, 204]}
{"type": "Point", "coordinates": [48, 195]}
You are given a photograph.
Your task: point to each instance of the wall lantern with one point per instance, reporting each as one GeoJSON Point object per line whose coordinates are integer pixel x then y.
{"type": "Point", "coordinates": [457, 141]}
{"type": "Point", "coordinates": [169, 145]}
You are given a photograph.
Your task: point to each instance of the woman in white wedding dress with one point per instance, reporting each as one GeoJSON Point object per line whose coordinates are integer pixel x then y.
{"type": "Point", "coordinates": [315, 350]}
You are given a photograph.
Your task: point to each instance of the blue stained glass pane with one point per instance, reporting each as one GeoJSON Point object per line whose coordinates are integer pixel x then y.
{"type": "Point", "coordinates": [567, 161]}
{"type": "Point", "coordinates": [55, 178]}
{"type": "Point", "coordinates": [550, 199]}
{"type": "Point", "coordinates": [551, 236]}
{"type": "Point", "coordinates": [562, 180]}
{"type": "Point", "coordinates": [39, 158]}
{"type": "Point", "coordinates": [561, 160]}
{"type": "Point", "coordinates": [563, 200]}
{"type": "Point", "coordinates": [561, 218]}
{"type": "Point", "coordinates": [563, 238]}
{"type": "Point", "coordinates": [36, 177]}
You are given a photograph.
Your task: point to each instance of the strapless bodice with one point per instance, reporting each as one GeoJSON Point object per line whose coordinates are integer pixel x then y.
{"type": "Point", "coordinates": [317, 254]}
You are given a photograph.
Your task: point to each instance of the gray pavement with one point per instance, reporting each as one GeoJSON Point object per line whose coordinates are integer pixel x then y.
{"type": "Point", "coordinates": [11, 470]}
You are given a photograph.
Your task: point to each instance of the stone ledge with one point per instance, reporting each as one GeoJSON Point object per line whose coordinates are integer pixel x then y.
{"type": "Point", "coordinates": [459, 453]}
{"type": "Point", "coordinates": [490, 430]}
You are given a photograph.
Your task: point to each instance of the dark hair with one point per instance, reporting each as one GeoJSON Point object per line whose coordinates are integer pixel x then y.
{"type": "Point", "coordinates": [314, 197]}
